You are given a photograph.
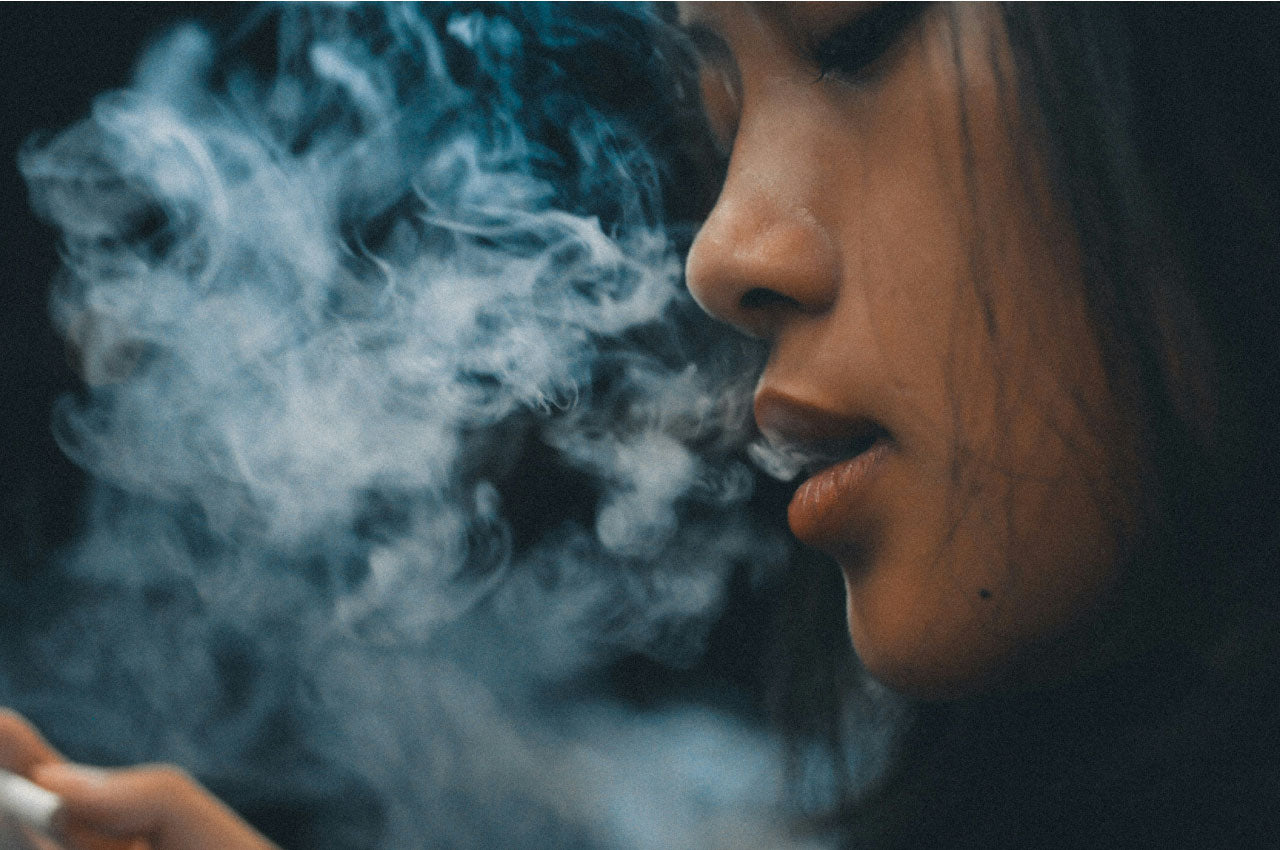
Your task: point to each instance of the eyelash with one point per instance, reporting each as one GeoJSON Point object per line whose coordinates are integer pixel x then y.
{"type": "Point", "coordinates": [850, 51]}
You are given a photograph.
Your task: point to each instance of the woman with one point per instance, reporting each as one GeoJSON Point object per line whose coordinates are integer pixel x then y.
{"type": "Point", "coordinates": [1013, 267]}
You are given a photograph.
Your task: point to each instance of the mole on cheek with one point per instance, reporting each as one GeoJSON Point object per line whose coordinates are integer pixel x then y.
{"type": "Point", "coordinates": [984, 593]}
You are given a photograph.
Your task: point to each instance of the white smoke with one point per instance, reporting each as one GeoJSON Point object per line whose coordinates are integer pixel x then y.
{"type": "Point", "coordinates": [338, 320]}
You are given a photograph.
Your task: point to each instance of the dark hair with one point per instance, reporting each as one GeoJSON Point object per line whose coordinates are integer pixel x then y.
{"type": "Point", "coordinates": [1160, 130]}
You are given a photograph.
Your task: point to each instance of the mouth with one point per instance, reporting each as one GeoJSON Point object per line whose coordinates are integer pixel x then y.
{"type": "Point", "coordinates": [834, 457]}
{"type": "Point", "coordinates": [787, 459]}
{"type": "Point", "coordinates": [826, 509]}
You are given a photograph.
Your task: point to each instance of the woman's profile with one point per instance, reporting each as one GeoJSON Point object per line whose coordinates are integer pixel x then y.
{"type": "Point", "coordinates": [1013, 269]}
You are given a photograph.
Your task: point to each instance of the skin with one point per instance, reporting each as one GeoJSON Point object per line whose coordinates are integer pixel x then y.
{"type": "Point", "coordinates": [152, 807]}
{"type": "Point", "coordinates": [943, 304]}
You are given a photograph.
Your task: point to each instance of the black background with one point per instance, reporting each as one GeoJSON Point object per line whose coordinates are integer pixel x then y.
{"type": "Point", "coordinates": [56, 57]}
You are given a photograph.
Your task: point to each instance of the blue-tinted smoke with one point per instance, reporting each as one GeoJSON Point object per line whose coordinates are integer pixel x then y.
{"type": "Point", "coordinates": [400, 419]}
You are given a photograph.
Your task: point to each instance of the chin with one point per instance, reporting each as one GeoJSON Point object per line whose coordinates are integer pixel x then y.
{"type": "Point", "coordinates": [911, 664]}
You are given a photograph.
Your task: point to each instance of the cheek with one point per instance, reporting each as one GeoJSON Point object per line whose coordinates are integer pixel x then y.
{"type": "Point", "coordinates": [1000, 526]}
{"type": "Point", "coordinates": [970, 579]}
{"type": "Point", "coordinates": [1000, 522]}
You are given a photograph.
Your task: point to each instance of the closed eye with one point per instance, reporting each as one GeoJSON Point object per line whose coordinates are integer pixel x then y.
{"type": "Point", "coordinates": [853, 49]}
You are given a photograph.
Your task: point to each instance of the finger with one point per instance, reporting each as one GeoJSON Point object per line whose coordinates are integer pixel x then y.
{"type": "Point", "coordinates": [23, 750]}
{"type": "Point", "coordinates": [160, 803]}
{"type": "Point", "coordinates": [72, 836]}
{"type": "Point", "coordinates": [21, 746]}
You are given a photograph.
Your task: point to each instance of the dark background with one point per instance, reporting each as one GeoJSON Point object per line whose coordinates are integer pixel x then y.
{"type": "Point", "coordinates": [54, 58]}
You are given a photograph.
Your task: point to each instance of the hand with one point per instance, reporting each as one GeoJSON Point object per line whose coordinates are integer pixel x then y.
{"type": "Point", "coordinates": [152, 807]}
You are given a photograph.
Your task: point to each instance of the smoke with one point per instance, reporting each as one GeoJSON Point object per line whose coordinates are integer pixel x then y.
{"type": "Point", "coordinates": [402, 429]}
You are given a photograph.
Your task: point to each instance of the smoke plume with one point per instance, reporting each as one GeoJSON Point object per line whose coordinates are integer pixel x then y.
{"type": "Point", "coordinates": [402, 428]}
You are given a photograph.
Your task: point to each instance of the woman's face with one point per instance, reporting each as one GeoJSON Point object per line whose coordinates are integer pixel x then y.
{"type": "Point", "coordinates": [885, 226]}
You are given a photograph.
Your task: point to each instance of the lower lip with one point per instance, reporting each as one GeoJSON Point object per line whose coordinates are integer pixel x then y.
{"type": "Point", "coordinates": [822, 509]}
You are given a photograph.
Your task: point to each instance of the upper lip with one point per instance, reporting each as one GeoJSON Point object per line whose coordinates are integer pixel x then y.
{"type": "Point", "coordinates": [800, 427]}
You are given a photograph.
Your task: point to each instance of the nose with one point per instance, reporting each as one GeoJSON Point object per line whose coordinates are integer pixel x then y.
{"type": "Point", "coordinates": [763, 256]}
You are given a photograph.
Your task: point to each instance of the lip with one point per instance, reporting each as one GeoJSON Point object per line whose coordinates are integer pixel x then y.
{"type": "Point", "coordinates": [788, 418]}
{"type": "Point", "coordinates": [824, 509]}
